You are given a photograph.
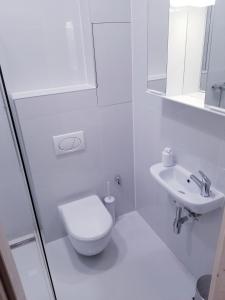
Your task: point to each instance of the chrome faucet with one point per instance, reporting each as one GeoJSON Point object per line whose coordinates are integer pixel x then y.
{"type": "Point", "coordinates": [204, 184]}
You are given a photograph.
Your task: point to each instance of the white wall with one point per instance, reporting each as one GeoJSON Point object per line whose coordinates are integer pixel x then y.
{"type": "Point", "coordinates": [109, 11]}
{"type": "Point", "coordinates": [15, 214]}
{"type": "Point", "coordinates": [196, 136]}
{"type": "Point", "coordinates": [39, 51]}
{"type": "Point", "coordinates": [112, 49]}
{"type": "Point", "coordinates": [104, 115]}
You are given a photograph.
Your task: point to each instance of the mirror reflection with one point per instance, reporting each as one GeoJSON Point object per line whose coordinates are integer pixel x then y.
{"type": "Point", "coordinates": [215, 87]}
{"type": "Point", "coordinates": [179, 49]}
{"type": "Point", "coordinates": [158, 25]}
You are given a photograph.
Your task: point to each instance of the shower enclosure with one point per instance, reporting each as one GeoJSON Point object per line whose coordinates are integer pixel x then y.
{"type": "Point", "coordinates": [18, 217]}
{"type": "Point", "coordinates": [43, 52]}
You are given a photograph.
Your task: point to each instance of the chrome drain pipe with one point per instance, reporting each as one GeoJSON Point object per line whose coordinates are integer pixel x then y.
{"type": "Point", "coordinates": [183, 215]}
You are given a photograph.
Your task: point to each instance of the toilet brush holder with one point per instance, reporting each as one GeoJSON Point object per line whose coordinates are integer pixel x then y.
{"type": "Point", "coordinates": [110, 204]}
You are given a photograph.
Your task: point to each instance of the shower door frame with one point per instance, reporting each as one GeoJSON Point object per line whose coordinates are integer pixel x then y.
{"type": "Point", "coordinates": [217, 289]}
{"type": "Point", "coordinates": [21, 156]}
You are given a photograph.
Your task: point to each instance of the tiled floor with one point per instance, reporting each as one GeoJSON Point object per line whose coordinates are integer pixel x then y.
{"type": "Point", "coordinates": [28, 262]}
{"type": "Point", "coordinates": [136, 265]}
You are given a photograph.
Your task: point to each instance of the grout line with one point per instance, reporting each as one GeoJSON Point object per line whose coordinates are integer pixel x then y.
{"type": "Point", "coordinates": [95, 62]}
{"type": "Point", "coordinates": [133, 122]}
{"type": "Point", "coordinates": [119, 22]}
{"type": "Point", "coordinates": [114, 104]}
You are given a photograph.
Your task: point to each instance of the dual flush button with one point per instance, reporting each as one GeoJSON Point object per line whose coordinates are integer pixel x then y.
{"type": "Point", "coordinates": [70, 142]}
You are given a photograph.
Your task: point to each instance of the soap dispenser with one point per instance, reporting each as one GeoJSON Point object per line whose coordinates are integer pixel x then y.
{"type": "Point", "coordinates": [168, 157]}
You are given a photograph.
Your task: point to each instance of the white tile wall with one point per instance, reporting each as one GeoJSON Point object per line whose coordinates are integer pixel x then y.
{"type": "Point", "coordinates": [109, 11]}
{"type": "Point", "coordinates": [45, 45]}
{"type": "Point", "coordinates": [108, 132]}
{"type": "Point", "coordinates": [198, 139]}
{"type": "Point", "coordinates": [107, 128]}
{"type": "Point", "coordinates": [113, 62]}
{"type": "Point", "coordinates": [15, 214]}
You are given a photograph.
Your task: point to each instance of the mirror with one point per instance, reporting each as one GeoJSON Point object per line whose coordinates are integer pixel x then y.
{"type": "Point", "coordinates": [158, 25]}
{"type": "Point", "coordinates": [183, 43]}
{"type": "Point", "coordinates": [215, 88]}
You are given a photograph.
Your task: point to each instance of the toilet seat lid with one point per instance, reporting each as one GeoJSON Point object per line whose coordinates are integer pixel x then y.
{"type": "Point", "coordinates": [87, 218]}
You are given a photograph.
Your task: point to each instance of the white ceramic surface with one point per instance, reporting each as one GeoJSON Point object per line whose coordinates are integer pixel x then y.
{"type": "Point", "coordinates": [109, 11]}
{"type": "Point", "coordinates": [176, 180]}
{"type": "Point", "coordinates": [88, 224]}
{"type": "Point", "coordinates": [90, 247]}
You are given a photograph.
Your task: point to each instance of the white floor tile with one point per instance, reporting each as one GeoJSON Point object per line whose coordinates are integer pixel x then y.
{"type": "Point", "coordinates": [136, 265]}
{"type": "Point", "coordinates": [27, 259]}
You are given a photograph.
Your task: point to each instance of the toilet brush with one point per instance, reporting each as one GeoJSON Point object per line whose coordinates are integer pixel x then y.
{"type": "Point", "coordinates": [110, 202]}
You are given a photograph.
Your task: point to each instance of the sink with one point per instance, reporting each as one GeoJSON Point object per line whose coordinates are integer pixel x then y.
{"type": "Point", "coordinates": [176, 181]}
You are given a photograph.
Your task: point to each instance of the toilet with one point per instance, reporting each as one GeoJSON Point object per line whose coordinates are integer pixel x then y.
{"type": "Point", "coordinates": [88, 224]}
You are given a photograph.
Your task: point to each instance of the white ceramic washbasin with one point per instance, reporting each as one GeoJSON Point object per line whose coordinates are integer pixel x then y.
{"type": "Point", "coordinates": [176, 180]}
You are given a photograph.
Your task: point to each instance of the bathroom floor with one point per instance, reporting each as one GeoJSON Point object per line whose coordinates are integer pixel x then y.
{"type": "Point", "coordinates": [28, 262]}
{"type": "Point", "coordinates": [135, 265]}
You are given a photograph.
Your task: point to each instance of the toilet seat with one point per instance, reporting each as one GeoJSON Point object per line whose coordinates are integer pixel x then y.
{"type": "Point", "coordinates": [86, 219]}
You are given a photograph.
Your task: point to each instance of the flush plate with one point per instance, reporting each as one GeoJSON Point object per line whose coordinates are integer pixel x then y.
{"type": "Point", "coordinates": [69, 142]}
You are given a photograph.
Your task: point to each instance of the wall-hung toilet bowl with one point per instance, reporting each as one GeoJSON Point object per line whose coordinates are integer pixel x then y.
{"type": "Point", "coordinates": [88, 224]}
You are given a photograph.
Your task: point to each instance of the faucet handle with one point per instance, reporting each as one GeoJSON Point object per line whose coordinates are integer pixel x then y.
{"type": "Point", "coordinates": [205, 178]}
